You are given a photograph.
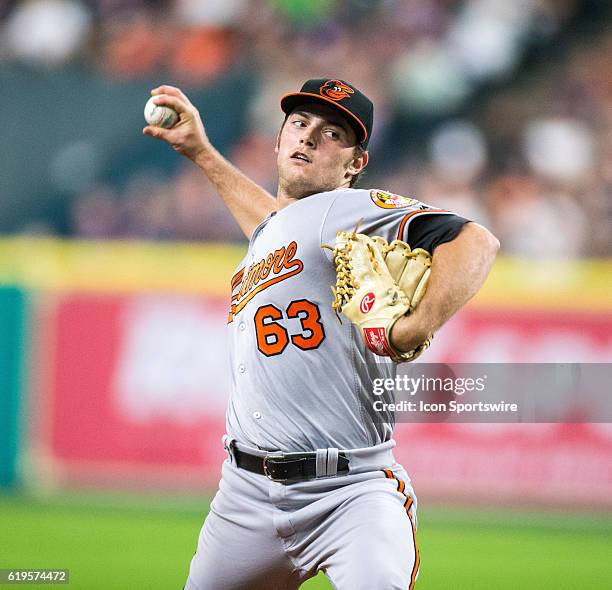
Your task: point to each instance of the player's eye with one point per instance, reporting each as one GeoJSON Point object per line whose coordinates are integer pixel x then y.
{"type": "Point", "coordinates": [299, 123]}
{"type": "Point", "coordinates": [333, 134]}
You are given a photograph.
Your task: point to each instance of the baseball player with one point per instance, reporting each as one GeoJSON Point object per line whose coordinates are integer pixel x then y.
{"type": "Point", "coordinates": [310, 483]}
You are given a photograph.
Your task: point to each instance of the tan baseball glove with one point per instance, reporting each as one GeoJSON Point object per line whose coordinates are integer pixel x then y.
{"type": "Point", "coordinates": [376, 284]}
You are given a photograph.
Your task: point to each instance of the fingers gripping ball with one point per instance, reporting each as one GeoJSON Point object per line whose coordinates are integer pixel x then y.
{"type": "Point", "coordinates": [376, 284]}
{"type": "Point", "coordinates": [160, 116]}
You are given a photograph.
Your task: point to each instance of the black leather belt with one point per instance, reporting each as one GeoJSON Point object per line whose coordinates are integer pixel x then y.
{"type": "Point", "coordinates": [285, 467]}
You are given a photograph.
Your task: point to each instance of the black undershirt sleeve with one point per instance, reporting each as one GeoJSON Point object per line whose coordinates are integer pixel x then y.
{"type": "Point", "coordinates": [431, 230]}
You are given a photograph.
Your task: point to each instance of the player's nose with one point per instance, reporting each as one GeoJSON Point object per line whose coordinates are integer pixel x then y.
{"type": "Point", "coordinates": [308, 139]}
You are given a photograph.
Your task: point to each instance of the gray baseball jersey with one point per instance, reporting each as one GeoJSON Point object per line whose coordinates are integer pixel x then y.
{"type": "Point", "coordinates": [301, 381]}
{"type": "Point", "coordinates": [301, 378]}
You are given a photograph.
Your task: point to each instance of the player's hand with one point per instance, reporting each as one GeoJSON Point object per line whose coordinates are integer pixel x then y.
{"type": "Point", "coordinates": [188, 136]}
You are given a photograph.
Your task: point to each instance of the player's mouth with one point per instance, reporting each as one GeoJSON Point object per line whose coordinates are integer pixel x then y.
{"type": "Point", "coordinates": [300, 157]}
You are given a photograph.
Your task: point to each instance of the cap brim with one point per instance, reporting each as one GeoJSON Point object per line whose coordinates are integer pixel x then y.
{"type": "Point", "coordinates": [295, 99]}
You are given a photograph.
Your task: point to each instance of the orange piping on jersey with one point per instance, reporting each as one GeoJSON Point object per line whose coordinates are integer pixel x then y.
{"type": "Point", "coordinates": [401, 486]}
{"type": "Point", "coordinates": [400, 233]}
{"type": "Point", "coordinates": [417, 556]}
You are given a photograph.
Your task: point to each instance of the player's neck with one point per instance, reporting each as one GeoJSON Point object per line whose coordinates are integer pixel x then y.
{"type": "Point", "coordinates": [284, 199]}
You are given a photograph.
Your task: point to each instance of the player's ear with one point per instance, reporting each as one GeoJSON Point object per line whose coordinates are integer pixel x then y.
{"type": "Point", "coordinates": [359, 162]}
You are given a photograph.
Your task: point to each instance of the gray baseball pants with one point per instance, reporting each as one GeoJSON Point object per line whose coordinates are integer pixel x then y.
{"type": "Point", "coordinates": [359, 529]}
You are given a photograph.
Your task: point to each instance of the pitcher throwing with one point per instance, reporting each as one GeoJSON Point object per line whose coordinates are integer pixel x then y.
{"type": "Point", "coordinates": [310, 483]}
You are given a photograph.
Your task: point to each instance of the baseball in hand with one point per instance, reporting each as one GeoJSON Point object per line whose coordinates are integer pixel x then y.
{"type": "Point", "coordinates": [160, 116]}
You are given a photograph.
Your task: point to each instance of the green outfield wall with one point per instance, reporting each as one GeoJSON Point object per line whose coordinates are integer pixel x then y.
{"type": "Point", "coordinates": [12, 322]}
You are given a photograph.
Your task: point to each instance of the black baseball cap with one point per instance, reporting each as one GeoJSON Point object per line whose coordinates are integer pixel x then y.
{"type": "Point", "coordinates": [352, 104]}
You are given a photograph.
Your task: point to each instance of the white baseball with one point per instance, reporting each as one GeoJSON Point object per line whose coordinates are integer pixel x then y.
{"type": "Point", "coordinates": [160, 116]}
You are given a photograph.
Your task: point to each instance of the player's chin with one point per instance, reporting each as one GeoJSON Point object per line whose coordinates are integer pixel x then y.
{"type": "Point", "coordinates": [298, 174]}
{"type": "Point", "coordinates": [298, 168]}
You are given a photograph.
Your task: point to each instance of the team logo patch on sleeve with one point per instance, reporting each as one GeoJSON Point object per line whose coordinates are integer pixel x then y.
{"type": "Point", "coordinates": [387, 200]}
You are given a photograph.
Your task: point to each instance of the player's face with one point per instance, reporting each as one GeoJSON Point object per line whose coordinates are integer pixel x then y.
{"type": "Point", "coordinates": [316, 152]}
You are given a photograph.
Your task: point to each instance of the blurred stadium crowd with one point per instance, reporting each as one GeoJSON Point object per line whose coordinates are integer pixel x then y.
{"type": "Point", "coordinates": [500, 110]}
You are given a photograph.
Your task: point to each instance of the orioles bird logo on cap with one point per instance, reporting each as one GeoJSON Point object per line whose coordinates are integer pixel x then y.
{"type": "Point", "coordinates": [336, 90]}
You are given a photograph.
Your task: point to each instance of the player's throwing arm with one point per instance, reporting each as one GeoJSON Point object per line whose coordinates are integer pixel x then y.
{"type": "Point", "coordinates": [247, 202]}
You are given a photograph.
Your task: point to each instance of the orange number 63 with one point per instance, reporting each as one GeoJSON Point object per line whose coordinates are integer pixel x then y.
{"type": "Point", "coordinates": [272, 338]}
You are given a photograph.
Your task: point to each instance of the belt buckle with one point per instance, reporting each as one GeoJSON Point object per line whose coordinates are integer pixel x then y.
{"type": "Point", "coordinates": [265, 467]}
